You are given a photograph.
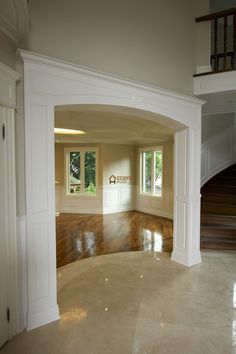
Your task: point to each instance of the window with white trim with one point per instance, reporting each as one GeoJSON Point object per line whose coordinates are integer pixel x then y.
{"type": "Point", "coordinates": [151, 171]}
{"type": "Point", "coordinates": [81, 171]}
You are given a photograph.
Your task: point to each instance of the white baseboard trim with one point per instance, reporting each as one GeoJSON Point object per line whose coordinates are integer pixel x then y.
{"type": "Point", "coordinates": [187, 260]}
{"type": "Point", "coordinates": [41, 318]}
{"type": "Point", "coordinates": [117, 210]}
{"type": "Point", "coordinates": [157, 212]}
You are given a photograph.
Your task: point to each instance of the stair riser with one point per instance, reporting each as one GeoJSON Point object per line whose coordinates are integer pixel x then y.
{"type": "Point", "coordinates": [231, 181]}
{"type": "Point", "coordinates": [218, 199]}
{"type": "Point", "coordinates": [218, 246]}
{"type": "Point", "coordinates": [228, 233]}
{"type": "Point", "coordinates": [218, 209]}
{"type": "Point", "coordinates": [219, 189]}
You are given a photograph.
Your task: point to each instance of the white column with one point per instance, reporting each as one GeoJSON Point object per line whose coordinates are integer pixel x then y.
{"type": "Point", "coordinates": [186, 248]}
{"type": "Point", "coordinates": [40, 207]}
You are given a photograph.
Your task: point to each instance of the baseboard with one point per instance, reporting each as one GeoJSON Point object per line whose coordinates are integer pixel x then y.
{"type": "Point", "coordinates": [181, 257]}
{"type": "Point", "coordinates": [41, 318]}
{"type": "Point", "coordinates": [117, 210]}
{"type": "Point", "coordinates": [157, 212]}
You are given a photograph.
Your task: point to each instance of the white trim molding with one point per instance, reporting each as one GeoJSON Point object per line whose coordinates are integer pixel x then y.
{"type": "Point", "coordinates": [217, 153]}
{"type": "Point", "coordinates": [22, 270]}
{"type": "Point", "coordinates": [160, 206]}
{"type": "Point", "coordinates": [8, 79]}
{"type": "Point", "coordinates": [214, 83]}
{"type": "Point", "coordinates": [117, 198]}
{"type": "Point", "coordinates": [49, 83]}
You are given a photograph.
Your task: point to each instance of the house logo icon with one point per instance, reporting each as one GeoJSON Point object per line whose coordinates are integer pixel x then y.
{"type": "Point", "coordinates": [112, 179]}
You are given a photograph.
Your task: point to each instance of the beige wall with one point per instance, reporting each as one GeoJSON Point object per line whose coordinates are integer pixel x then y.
{"type": "Point", "coordinates": [118, 160]}
{"type": "Point", "coordinates": [150, 42]}
{"type": "Point", "coordinates": [7, 51]}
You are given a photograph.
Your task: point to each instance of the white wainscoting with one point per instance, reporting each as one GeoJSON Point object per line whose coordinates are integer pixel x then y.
{"type": "Point", "coordinates": [217, 153]}
{"type": "Point", "coordinates": [118, 197]}
{"type": "Point", "coordinates": [22, 270]}
{"type": "Point", "coordinates": [161, 206]}
{"type": "Point", "coordinates": [78, 203]}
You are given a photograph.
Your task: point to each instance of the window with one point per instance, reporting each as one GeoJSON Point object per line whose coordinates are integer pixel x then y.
{"type": "Point", "coordinates": [81, 171]}
{"type": "Point", "coordinates": [151, 171]}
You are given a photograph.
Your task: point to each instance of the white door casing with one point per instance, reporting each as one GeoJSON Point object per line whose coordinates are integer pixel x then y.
{"type": "Point", "coordinates": [8, 236]}
{"type": "Point", "coordinates": [49, 83]}
{"type": "Point", "coordinates": [3, 237]}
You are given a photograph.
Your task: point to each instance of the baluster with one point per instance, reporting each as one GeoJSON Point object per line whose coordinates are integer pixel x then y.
{"type": "Point", "coordinates": [225, 41]}
{"type": "Point", "coordinates": [234, 41]}
{"type": "Point", "coordinates": [216, 64]}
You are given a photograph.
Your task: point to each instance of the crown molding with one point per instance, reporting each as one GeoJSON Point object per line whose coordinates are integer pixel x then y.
{"type": "Point", "coordinates": [14, 19]}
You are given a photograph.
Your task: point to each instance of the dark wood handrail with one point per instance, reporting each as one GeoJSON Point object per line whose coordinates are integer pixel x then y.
{"type": "Point", "coordinates": [216, 15]}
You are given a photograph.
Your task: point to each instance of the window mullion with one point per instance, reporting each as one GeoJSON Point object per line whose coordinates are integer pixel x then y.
{"type": "Point", "coordinates": [143, 173]}
{"type": "Point", "coordinates": [153, 173]}
{"type": "Point", "coordinates": [82, 172]}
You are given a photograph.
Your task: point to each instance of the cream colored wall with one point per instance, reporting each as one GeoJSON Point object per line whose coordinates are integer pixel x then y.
{"type": "Point", "coordinates": [150, 42]}
{"type": "Point", "coordinates": [7, 51]}
{"type": "Point", "coordinates": [118, 160]}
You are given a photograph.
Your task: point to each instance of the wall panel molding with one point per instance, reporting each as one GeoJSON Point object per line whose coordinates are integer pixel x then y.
{"type": "Point", "coordinates": [217, 153]}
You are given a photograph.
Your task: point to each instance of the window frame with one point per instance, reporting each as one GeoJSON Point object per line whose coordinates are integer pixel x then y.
{"type": "Point", "coordinates": [82, 150]}
{"type": "Point", "coordinates": [152, 149]}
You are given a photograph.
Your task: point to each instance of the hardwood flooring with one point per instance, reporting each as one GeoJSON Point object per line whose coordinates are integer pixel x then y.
{"type": "Point", "coordinates": [83, 235]}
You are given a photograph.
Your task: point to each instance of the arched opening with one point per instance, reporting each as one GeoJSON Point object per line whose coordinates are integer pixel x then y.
{"type": "Point", "coordinates": [49, 84]}
{"type": "Point", "coordinates": [104, 142]}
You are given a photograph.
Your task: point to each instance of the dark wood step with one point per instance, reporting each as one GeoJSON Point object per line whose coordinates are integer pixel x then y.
{"type": "Point", "coordinates": [218, 209]}
{"type": "Point", "coordinates": [231, 171]}
{"type": "Point", "coordinates": [218, 221]}
{"type": "Point", "coordinates": [224, 180]}
{"type": "Point", "coordinates": [229, 234]}
{"type": "Point", "coordinates": [219, 198]}
{"type": "Point", "coordinates": [219, 189]}
{"type": "Point", "coordinates": [218, 245]}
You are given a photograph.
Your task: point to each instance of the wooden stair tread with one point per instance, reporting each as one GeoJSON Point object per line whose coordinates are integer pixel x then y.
{"type": "Point", "coordinates": [218, 211]}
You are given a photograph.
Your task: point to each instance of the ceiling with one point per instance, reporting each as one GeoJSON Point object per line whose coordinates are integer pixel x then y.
{"type": "Point", "coordinates": [112, 124]}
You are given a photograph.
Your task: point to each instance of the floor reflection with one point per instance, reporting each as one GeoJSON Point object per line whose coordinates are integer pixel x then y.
{"type": "Point", "coordinates": [81, 235]}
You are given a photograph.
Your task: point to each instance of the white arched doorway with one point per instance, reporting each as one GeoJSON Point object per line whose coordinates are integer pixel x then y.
{"type": "Point", "coordinates": [49, 83]}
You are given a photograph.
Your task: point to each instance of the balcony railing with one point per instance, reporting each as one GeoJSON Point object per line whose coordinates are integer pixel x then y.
{"type": "Point", "coordinates": [223, 34]}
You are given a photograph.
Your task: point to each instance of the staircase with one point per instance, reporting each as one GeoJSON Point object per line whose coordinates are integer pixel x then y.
{"type": "Point", "coordinates": [218, 211]}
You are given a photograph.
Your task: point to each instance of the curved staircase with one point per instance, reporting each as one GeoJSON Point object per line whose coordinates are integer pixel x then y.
{"type": "Point", "coordinates": [218, 211]}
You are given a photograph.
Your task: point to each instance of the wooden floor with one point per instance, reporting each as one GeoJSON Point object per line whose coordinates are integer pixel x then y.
{"type": "Point", "coordinates": [81, 235]}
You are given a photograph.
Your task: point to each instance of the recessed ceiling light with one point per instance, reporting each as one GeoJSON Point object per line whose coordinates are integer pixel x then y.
{"type": "Point", "coordinates": [67, 131]}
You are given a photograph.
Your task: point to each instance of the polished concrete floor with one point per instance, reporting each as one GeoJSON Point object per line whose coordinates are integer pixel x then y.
{"type": "Point", "coordinates": [86, 235]}
{"type": "Point", "coordinates": [140, 303]}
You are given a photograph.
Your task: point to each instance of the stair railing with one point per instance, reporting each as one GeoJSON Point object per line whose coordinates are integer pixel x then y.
{"type": "Point", "coordinates": [223, 57]}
